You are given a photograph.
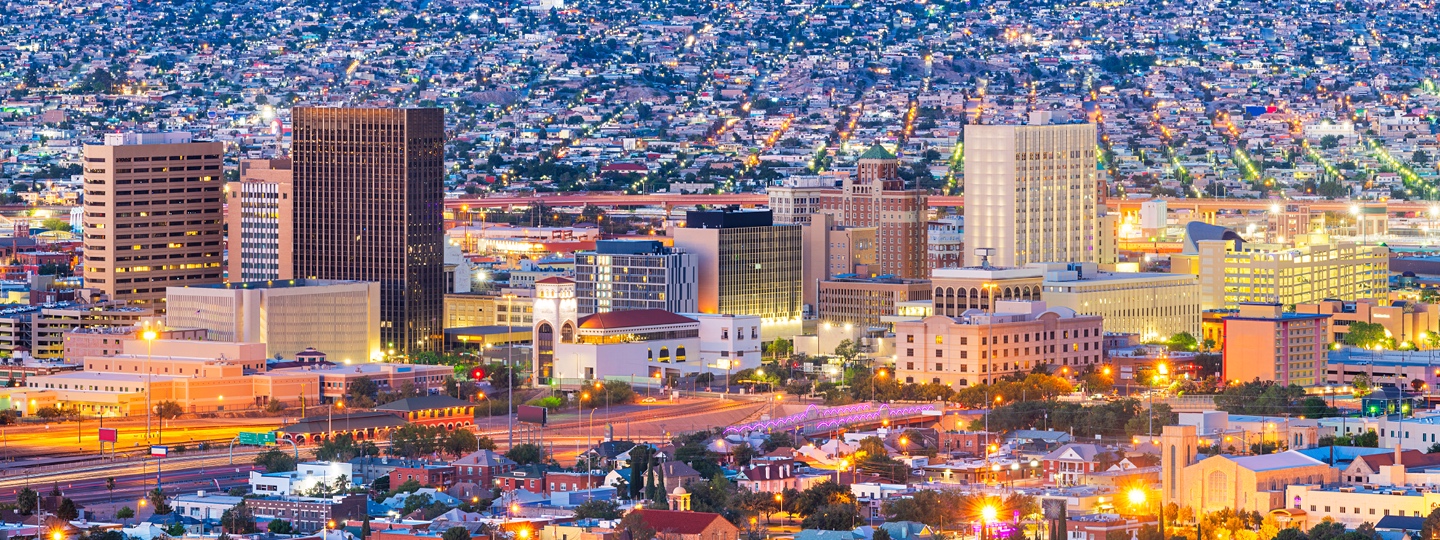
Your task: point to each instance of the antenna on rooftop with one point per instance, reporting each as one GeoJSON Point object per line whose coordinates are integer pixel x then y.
{"type": "Point", "coordinates": [985, 254]}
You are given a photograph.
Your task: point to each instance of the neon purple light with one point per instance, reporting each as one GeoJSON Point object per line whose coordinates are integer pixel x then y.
{"type": "Point", "coordinates": [830, 417]}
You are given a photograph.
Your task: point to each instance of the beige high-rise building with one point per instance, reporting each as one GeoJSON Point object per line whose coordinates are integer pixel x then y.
{"type": "Point", "coordinates": [152, 215]}
{"type": "Point", "coordinates": [1030, 193]}
{"type": "Point", "coordinates": [260, 220]}
{"type": "Point", "coordinates": [830, 251]}
{"type": "Point", "coordinates": [1310, 269]}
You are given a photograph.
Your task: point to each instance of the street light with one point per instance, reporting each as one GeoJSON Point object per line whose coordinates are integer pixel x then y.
{"type": "Point", "coordinates": [149, 336]}
{"type": "Point", "coordinates": [987, 516]}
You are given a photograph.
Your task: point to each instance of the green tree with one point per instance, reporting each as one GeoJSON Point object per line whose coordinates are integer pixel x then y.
{"type": "Point", "coordinates": [526, 453]}
{"type": "Point", "coordinates": [847, 350]}
{"type": "Point", "coordinates": [455, 533]}
{"type": "Point", "coordinates": [1183, 341]}
{"type": "Point", "coordinates": [415, 440]}
{"type": "Point", "coordinates": [238, 519]}
{"type": "Point", "coordinates": [461, 442]}
{"type": "Point", "coordinates": [27, 501]}
{"type": "Point", "coordinates": [834, 517]}
{"type": "Point", "coordinates": [275, 460]}
{"type": "Point", "coordinates": [168, 410]}
{"type": "Point", "coordinates": [280, 526]}
{"type": "Point", "coordinates": [597, 509]}
{"type": "Point", "coordinates": [55, 224]}
{"type": "Point", "coordinates": [159, 503]}
{"type": "Point", "coordinates": [821, 495]}
{"type": "Point", "coordinates": [175, 530]}
{"type": "Point", "coordinates": [1362, 385]}
{"type": "Point", "coordinates": [1369, 336]}
{"type": "Point", "coordinates": [67, 510]}
{"type": "Point", "coordinates": [124, 513]}
{"type": "Point", "coordinates": [1431, 526]}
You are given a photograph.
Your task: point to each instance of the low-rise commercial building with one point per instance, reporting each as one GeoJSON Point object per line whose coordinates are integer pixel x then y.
{"type": "Point", "coordinates": [1152, 305]}
{"type": "Point", "coordinates": [977, 346]}
{"type": "Point", "coordinates": [864, 301]}
{"type": "Point", "coordinates": [340, 318]}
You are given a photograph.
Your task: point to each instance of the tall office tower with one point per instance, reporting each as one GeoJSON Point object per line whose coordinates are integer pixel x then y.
{"type": "Point", "coordinates": [368, 206]}
{"type": "Point", "coordinates": [624, 275]}
{"type": "Point", "coordinates": [876, 197]}
{"type": "Point", "coordinates": [259, 218]}
{"type": "Point", "coordinates": [152, 215]}
{"type": "Point", "coordinates": [748, 266]}
{"type": "Point", "coordinates": [1030, 193]}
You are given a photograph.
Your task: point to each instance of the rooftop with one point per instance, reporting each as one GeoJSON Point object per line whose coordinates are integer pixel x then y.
{"type": "Point", "coordinates": [632, 319]}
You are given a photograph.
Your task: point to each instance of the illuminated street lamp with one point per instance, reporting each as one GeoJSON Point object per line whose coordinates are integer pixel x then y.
{"type": "Point", "coordinates": [149, 336]}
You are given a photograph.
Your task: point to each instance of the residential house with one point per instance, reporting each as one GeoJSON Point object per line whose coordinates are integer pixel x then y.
{"type": "Point", "coordinates": [1070, 464]}
{"type": "Point", "coordinates": [769, 476]}
{"type": "Point", "coordinates": [529, 478]}
{"type": "Point", "coordinates": [481, 467]}
{"type": "Point", "coordinates": [676, 525]}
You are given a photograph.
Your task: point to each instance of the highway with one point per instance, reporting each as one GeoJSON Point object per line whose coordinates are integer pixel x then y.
{"type": "Point", "coordinates": [666, 200]}
{"type": "Point", "coordinates": [83, 477]}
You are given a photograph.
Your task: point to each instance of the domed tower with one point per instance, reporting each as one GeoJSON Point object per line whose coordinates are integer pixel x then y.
{"type": "Point", "coordinates": [679, 499]}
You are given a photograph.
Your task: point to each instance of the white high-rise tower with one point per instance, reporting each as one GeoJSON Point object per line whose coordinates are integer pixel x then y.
{"type": "Point", "coordinates": [1030, 193]}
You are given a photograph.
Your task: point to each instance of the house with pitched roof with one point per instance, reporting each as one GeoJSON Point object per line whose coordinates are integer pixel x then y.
{"type": "Point", "coordinates": [676, 525]}
{"type": "Point", "coordinates": [481, 467]}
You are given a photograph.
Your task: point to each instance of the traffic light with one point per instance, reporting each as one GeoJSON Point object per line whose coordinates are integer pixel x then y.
{"type": "Point", "coordinates": [477, 373]}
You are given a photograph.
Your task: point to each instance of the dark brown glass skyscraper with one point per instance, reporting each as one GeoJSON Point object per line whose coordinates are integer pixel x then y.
{"type": "Point", "coordinates": [368, 206]}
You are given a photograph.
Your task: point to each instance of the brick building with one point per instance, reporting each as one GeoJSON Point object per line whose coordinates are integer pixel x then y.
{"type": "Point", "coordinates": [309, 514]}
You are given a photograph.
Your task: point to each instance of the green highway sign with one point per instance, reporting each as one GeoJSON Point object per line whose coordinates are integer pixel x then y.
{"type": "Point", "coordinates": [258, 439]}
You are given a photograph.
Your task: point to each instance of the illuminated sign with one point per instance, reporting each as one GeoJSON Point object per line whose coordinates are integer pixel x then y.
{"type": "Point", "coordinates": [832, 417]}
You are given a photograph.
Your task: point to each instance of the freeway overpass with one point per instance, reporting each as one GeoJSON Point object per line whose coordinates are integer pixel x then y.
{"type": "Point", "coordinates": [1207, 206]}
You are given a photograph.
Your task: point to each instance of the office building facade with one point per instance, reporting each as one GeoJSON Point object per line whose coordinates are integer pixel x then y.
{"type": "Point", "coordinates": [1151, 305]}
{"type": "Point", "coordinates": [863, 301]}
{"type": "Point", "coordinates": [1310, 269]}
{"type": "Point", "coordinates": [368, 206]}
{"type": "Point", "coordinates": [747, 266]}
{"type": "Point", "coordinates": [1030, 193]}
{"type": "Point", "coordinates": [258, 215]}
{"type": "Point", "coordinates": [153, 215]}
{"type": "Point", "coordinates": [875, 197]}
{"type": "Point", "coordinates": [338, 318]}
{"type": "Point", "coordinates": [625, 275]}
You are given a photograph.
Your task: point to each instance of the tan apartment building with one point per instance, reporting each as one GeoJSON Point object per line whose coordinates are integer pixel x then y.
{"type": "Point", "coordinates": [152, 215]}
{"type": "Point", "coordinates": [1313, 268]}
{"type": "Point", "coordinates": [863, 301]}
{"type": "Point", "coordinates": [338, 318]}
{"type": "Point", "coordinates": [259, 218]}
{"type": "Point", "coordinates": [974, 349]}
{"type": "Point", "coordinates": [42, 329]}
{"type": "Point", "coordinates": [1262, 341]}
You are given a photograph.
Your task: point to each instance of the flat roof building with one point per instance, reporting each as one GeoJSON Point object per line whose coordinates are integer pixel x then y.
{"type": "Point", "coordinates": [623, 275]}
{"type": "Point", "coordinates": [979, 346]}
{"type": "Point", "coordinates": [747, 266]}
{"type": "Point", "coordinates": [1264, 342]}
{"type": "Point", "coordinates": [259, 218]}
{"type": "Point", "coordinates": [152, 216]}
{"type": "Point", "coordinates": [339, 318]}
{"type": "Point", "coordinates": [1152, 305]}
{"type": "Point", "coordinates": [369, 185]}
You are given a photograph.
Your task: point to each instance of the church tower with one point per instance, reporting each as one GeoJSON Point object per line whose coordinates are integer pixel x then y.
{"type": "Point", "coordinates": [555, 319]}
